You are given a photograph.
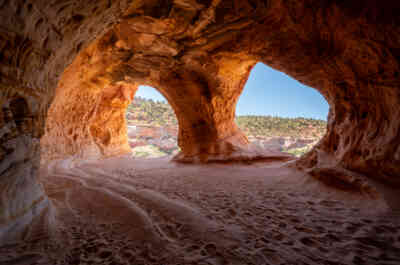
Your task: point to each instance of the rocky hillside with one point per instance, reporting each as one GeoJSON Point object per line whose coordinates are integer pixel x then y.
{"type": "Point", "coordinates": [153, 129]}
{"type": "Point", "coordinates": [149, 112]}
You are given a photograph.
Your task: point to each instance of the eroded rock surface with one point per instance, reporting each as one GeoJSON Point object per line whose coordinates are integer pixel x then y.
{"type": "Point", "coordinates": [198, 54]}
{"type": "Point", "coordinates": [22, 197]}
{"type": "Point", "coordinates": [37, 40]}
{"type": "Point", "coordinates": [200, 58]}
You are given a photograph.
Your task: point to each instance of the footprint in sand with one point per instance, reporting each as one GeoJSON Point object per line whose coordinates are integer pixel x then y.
{"type": "Point", "coordinates": [308, 241]}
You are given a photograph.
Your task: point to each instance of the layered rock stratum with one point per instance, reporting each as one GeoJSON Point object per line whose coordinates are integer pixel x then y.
{"type": "Point", "coordinates": [68, 70]}
{"type": "Point", "coordinates": [153, 129]}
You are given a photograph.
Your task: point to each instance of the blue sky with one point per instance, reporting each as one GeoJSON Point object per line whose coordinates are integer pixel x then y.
{"type": "Point", "coordinates": [270, 92]}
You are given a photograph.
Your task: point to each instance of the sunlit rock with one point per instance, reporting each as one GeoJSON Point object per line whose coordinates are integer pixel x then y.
{"type": "Point", "coordinates": [77, 64]}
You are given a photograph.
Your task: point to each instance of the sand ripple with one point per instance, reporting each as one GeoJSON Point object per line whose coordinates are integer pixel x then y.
{"type": "Point", "coordinates": [125, 211]}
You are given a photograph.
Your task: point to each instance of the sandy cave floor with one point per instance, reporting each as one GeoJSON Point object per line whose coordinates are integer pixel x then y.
{"type": "Point", "coordinates": [136, 211]}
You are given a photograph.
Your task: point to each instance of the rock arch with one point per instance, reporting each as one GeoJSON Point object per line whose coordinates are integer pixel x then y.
{"type": "Point", "coordinates": [199, 54]}
{"type": "Point", "coordinates": [104, 78]}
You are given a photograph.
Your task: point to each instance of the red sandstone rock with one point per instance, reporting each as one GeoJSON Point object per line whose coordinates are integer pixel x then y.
{"type": "Point", "coordinates": [198, 54]}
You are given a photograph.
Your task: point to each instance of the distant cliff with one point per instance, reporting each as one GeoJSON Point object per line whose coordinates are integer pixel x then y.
{"type": "Point", "coordinates": [153, 128]}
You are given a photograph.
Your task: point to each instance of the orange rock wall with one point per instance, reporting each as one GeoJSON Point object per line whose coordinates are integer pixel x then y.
{"type": "Point", "coordinates": [198, 54]}
{"type": "Point", "coordinates": [87, 117]}
{"type": "Point", "coordinates": [38, 39]}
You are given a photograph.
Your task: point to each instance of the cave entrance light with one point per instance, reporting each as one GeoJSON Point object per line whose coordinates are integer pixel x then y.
{"type": "Point", "coordinates": [277, 112]}
{"type": "Point", "coordinates": [152, 126]}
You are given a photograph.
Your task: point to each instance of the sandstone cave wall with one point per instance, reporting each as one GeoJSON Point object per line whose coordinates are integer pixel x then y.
{"type": "Point", "coordinates": [37, 40]}
{"type": "Point", "coordinates": [348, 50]}
{"type": "Point", "coordinates": [349, 53]}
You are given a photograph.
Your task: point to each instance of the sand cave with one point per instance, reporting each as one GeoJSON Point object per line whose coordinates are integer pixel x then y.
{"type": "Point", "coordinates": [71, 195]}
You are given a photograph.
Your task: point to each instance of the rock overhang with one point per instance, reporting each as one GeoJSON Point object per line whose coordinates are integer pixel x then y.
{"type": "Point", "coordinates": [199, 55]}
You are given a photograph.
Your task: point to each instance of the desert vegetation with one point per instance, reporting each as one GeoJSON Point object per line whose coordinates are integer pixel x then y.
{"type": "Point", "coordinates": [153, 128]}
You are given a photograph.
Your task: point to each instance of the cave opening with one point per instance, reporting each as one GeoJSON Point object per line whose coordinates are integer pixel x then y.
{"type": "Point", "coordinates": [93, 195]}
{"type": "Point", "coordinates": [278, 113]}
{"type": "Point", "coordinates": [152, 126]}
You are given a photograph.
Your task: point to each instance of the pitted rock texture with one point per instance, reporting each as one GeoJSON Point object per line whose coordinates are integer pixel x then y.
{"type": "Point", "coordinates": [37, 40]}
{"type": "Point", "coordinates": [22, 197]}
{"type": "Point", "coordinates": [204, 103]}
{"type": "Point", "coordinates": [199, 55]}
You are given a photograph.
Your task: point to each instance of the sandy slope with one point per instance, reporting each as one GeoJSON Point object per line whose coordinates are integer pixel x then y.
{"type": "Point", "coordinates": [126, 211]}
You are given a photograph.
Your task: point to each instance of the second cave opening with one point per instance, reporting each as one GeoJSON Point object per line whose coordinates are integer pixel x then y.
{"type": "Point", "coordinates": [278, 113]}
{"type": "Point", "coordinates": [152, 126]}
{"type": "Point", "coordinates": [275, 112]}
